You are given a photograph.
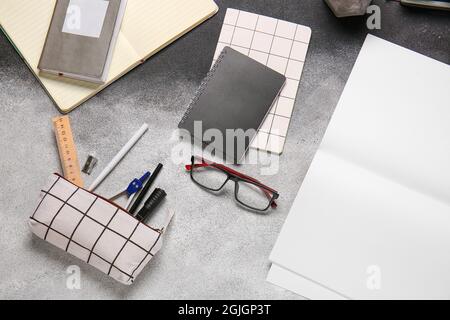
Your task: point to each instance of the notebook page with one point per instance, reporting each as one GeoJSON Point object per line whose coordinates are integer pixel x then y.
{"type": "Point", "coordinates": [306, 288]}
{"type": "Point", "coordinates": [152, 24]}
{"type": "Point", "coordinates": [347, 224]}
{"type": "Point", "coordinates": [376, 195]}
{"type": "Point", "coordinates": [396, 123]}
{"type": "Point", "coordinates": [27, 22]}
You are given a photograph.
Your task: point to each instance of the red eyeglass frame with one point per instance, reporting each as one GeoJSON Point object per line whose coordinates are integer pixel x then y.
{"type": "Point", "coordinates": [270, 193]}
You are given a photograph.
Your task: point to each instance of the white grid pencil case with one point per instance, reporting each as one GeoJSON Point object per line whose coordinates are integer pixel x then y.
{"type": "Point", "coordinates": [95, 230]}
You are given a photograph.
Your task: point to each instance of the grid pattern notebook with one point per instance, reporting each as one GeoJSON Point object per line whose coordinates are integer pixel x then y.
{"type": "Point", "coordinates": [280, 45]}
{"type": "Point", "coordinates": [94, 230]}
{"type": "Point", "coordinates": [236, 95]}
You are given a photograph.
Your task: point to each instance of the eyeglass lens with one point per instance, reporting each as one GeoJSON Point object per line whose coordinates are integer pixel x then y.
{"type": "Point", "coordinates": [247, 193]}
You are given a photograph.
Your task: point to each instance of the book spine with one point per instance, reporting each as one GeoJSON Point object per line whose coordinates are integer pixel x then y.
{"type": "Point", "coordinates": [202, 87]}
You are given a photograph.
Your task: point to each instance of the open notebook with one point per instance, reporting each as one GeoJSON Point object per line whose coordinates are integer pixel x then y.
{"type": "Point", "coordinates": [148, 26]}
{"type": "Point", "coordinates": [372, 218]}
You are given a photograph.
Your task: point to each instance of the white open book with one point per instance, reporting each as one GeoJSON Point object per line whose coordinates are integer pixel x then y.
{"type": "Point", "coordinates": [372, 218]}
{"type": "Point", "coordinates": [148, 26]}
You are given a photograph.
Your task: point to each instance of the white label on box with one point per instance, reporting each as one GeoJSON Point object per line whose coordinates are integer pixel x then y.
{"type": "Point", "coordinates": [85, 17]}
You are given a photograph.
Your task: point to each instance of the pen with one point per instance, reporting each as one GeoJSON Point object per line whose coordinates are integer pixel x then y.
{"type": "Point", "coordinates": [145, 189]}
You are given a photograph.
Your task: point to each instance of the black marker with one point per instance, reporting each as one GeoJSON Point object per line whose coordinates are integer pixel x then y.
{"type": "Point", "coordinates": [150, 205]}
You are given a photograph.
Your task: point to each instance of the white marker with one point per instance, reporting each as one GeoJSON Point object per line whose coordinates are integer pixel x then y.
{"type": "Point", "coordinates": [110, 167]}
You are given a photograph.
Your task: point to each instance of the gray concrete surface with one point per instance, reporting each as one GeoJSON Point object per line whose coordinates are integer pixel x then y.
{"type": "Point", "coordinates": [213, 249]}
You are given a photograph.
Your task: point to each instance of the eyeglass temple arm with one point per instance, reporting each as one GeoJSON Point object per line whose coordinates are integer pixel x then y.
{"type": "Point", "coordinates": [204, 164]}
{"type": "Point", "coordinates": [197, 165]}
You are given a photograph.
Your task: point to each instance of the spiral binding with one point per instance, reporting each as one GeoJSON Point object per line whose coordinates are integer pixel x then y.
{"type": "Point", "coordinates": [203, 86]}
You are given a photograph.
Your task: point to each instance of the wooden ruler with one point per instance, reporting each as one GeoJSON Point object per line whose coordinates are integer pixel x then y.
{"type": "Point", "coordinates": [67, 150]}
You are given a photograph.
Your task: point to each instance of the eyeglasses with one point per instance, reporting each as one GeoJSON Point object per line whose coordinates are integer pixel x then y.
{"type": "Point", "coordinates": [248, 191]}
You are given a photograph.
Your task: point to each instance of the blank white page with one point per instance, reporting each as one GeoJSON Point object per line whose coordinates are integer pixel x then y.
{"type": "Point", "coordinates": [394, 118]}
{"type": "Point", "coordinates": [300, 285]}
{"type": "Point", "coordinates": [347, 219]}
{"type": "Point", "coordinates": [375, 201]}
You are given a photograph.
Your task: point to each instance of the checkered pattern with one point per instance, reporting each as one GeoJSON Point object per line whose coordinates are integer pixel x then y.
{"type": "Point", "coordinates": [280, 45]}
{"type": "Point", "coordinates": [94, 230]}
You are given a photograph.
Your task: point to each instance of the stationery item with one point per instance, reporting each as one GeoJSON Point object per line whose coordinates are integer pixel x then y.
{"type": "Point", "coordinates": [348, 8]}
{"type": "Point", "coordinates": [130, 200]}
{"type": "Point", "coordinates": [371, 220]}
{"type": "Point", "coordinates": [305, 287]}
{"type": "Point", "coordinates": [67, 150]}
{"type": "Point", "coordinates": [280, 45]}
{"type": "Point", "coordinates": [236, 95]}
{"type": "Point", "coordinates": [147, 27]}
{"type": "Point", "coordinates": [146, 188]}
{"type": "Point", "coordinates": [122, 153]}
{"type": "Point", "coordinates": [95, 230]}
{"type": "Point", "coordinates": [90, 164]}
{"type": "Point", "coordinates": [428, 4]}
{"type": "Point", "coordinates": [81, 39]}
{"type": "Point", "coordinates": [248, 191]}
{"type": "Point", "coordinates": [151, 204]}
{"type": "Point", "coordinates": [133, 187]}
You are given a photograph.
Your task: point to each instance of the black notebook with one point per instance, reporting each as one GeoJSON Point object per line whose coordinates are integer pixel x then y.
{"type": "Point", "coordinates": [234, 99]}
